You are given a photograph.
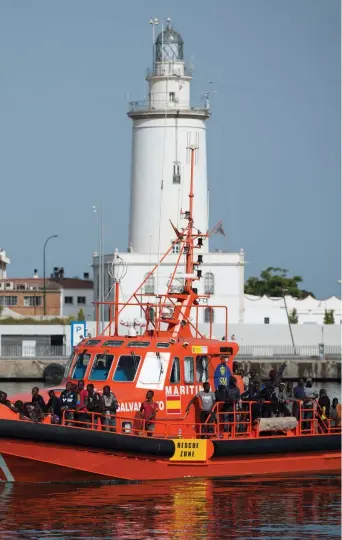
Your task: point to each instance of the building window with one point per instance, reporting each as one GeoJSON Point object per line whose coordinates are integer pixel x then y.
{"type": "Point", "coordinates": [80, 299]}
{"type": "Point", "coordinates": [209, 315]}
{"type": "Point", "coordinates": [209, 283]}
{"type": "Point", "coordinates": [175, 248]}
{"type": "Point", "coordinates": [176, 178]}
{"type": "Point", "coordinates": [172, 97]}
{"type": "Point", "coordinates": [8, 300]}
{"type": "Point", "coordinates": [69, 300]}
{"type": "Point", "coordinates": [149, 285]}
{"type": "Point", "coordinates": [266, 320]}
{"type": "Point", "coordinates": [30, 301]}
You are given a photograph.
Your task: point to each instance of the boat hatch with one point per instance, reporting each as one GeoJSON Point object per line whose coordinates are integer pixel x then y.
{"type": "Point", "coordinates": [92, 342]}
{"type": "Point", "coordinates": [163, 345]}
{"type": "Point", "coordinates": [81, 365]}
{"type": "Point", "coordinates": [127, 368]}
{"type": "Point", "coordinates": [101, 367]}
{"type": "Point", "coordinates": [113, 343]}
{"type": "Point", "coordinates": [138, 344]}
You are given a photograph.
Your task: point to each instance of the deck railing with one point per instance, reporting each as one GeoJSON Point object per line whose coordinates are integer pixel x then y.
{"type": "Point", "coordinates": [238, 420]}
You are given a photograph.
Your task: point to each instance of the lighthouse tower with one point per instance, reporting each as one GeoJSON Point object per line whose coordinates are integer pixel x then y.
{"type": "Point", "coordinates": [164, 127]}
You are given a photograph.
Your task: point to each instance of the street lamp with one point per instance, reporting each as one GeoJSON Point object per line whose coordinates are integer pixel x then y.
{"type": "Point", "coordinates": [288, 320]}
{"type": "Point", "coordinates": [44, 277]}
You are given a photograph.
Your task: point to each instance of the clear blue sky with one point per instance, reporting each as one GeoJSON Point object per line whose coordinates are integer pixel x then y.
{"type": "Point", "coordinates": [273, 139]}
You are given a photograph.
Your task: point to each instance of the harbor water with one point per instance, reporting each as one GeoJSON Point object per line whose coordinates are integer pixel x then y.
{"type": "Point", "coordinates": [306, 507]}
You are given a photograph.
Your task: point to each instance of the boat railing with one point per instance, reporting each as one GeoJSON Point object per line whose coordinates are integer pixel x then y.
{"type": "Point", "coordinates": [225, 421]}
{"type": "Point", "coordinates": [159, 313]}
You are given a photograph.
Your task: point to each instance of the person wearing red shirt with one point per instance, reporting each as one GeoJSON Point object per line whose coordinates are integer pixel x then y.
{"type": "Point", "coordinates": [148, 411]}
{"type": "Point", "coordinates": [81, 407]}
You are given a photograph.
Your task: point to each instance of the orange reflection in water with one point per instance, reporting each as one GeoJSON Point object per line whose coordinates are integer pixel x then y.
{"type": "Point", "coordinates": [194, 509]}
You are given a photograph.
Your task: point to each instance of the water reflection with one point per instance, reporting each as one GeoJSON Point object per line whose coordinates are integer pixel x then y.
{"type": "Point", "coordinates": [194, 509]}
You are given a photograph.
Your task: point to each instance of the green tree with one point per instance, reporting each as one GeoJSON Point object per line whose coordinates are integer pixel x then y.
{"type": "Point", "coordinates": [329, 317]}
{"type": "Point", "coordinates": [80, 315]}
{"type": "Point", "coordinates": [275, 282]}
{"type": "Point", "coordinates": [1, 310]}
{"type": "Point", "coordinates": [293, 317]}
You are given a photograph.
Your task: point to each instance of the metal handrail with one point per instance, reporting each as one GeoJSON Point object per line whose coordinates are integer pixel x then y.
{"type": "Point", "coordinates": [164, 105]}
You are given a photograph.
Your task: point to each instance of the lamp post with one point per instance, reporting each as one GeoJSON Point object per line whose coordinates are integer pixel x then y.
{"type": "Point", "coordinates": [288, 320]}
{"type": "Point", "coordinates": [44, 276]}
{"type": "Point", "coordinates": [99, 212]}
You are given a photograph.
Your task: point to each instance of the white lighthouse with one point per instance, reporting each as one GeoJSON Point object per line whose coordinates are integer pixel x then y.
{"type": "Point", "coordinates": [164, 127]}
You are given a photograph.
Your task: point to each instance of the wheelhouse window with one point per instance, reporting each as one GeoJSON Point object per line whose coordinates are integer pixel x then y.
{"type": "Point", "coordinates": [138, 344]}
{"type": "Point", "coordinates": [209, 315]}
{"type": "Point", "coordinates": [163, 345]}
{"type": "Point", "coordinates": [175, 371]}
{"type": "Point", "coordinates": [81, 365]}
{"type": "Point", "coordinates": [101, 367]}
{"type": "Point", "coordinates": [209, 283]}
{"type": "Point", "coordinates": [92, 342]}
{"type": "Point", "coordinates": [113, 343]}
{"type": "Point", "coordinates": [127, 368]}
{"type": "Point", "coordinates": [189, 369]}
{"type": "Point", "coordinates": [202, 372]}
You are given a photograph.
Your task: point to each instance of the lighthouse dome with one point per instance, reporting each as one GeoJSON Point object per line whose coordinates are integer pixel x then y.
{"type": "Point", "coordinates": [169, 46]}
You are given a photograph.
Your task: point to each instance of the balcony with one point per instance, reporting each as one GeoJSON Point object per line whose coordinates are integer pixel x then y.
{"type": "Point", "coordinates": [164, 105]}
{"type": "Point", "coordinates": [169, 70]}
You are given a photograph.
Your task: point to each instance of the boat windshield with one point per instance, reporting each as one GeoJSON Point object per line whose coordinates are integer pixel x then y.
{"type": "Point", "coordinates": [81, 365]}
{"type": "Point", "coordinates": [101, 367]}
{"type": "Point", "coordinates": [127, 368]}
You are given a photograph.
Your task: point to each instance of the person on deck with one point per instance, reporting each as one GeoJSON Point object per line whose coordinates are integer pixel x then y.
{"type": "Point", "coordinates": [53, 407]}
{"type": "Point", "coordinates": [324, 410]}
{"type": "Point", "coordinates": [308, 405]}
{"type": "Point", "coordinates": [4, 400]}
{"type": "Point", "coordinates": [335, 414]}
{"type": "Point", "coordinates": [67, 401]}
{"type": "Point", "coordinates": [148, 411]}
{"type": "Point", "coordinates": [222, 373]}
{"type": "Point", "coordinates": [81, 405]}
{"type": "Point", "coordinates": [110, 405]}
{"type": "Point", "coordinates": [94, 405]}
{"type": "Point", "coordinates": [290, 397]}
{"type": "Point", "coordinates": [221, 396]}
{"type": "Point", "coordinates": [253, 394]}
{"type": "Point", "coordinates": [37, 399]}
{"type": "Point", "coordinates": [207, 402]}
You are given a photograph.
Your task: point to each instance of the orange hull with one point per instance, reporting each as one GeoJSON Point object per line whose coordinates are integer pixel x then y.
{"type": "Point", "coordinates": [43, 462]}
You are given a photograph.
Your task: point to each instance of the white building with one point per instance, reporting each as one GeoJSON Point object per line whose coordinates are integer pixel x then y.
{"type": "Point", "coordinates": [164, 127]}
{"type": "Point", "coordinates": [4, 261]}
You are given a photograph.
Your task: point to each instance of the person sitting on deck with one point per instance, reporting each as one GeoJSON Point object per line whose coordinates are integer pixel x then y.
{"type": "Point", "coordinates": [37, 399]}
{"type": "Point", "coordinates": [110, 405]}
{"type": "Point", "coordinates": [222, 373]}
{"type": "Point", "coordinates": [32, 412]}
{"type": "Point", "coordinates": [94, 404]}
{"type": "Point", "coordinates": [148, 411]}
{"type": "Point", "coordinates": [207, 402]}
{"type": "Point", "coordinates": [53, 407]}
{"type": "Point", "coordinates": [4, 400]}
{"type": "Point", "coordinates": [68, 400]}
